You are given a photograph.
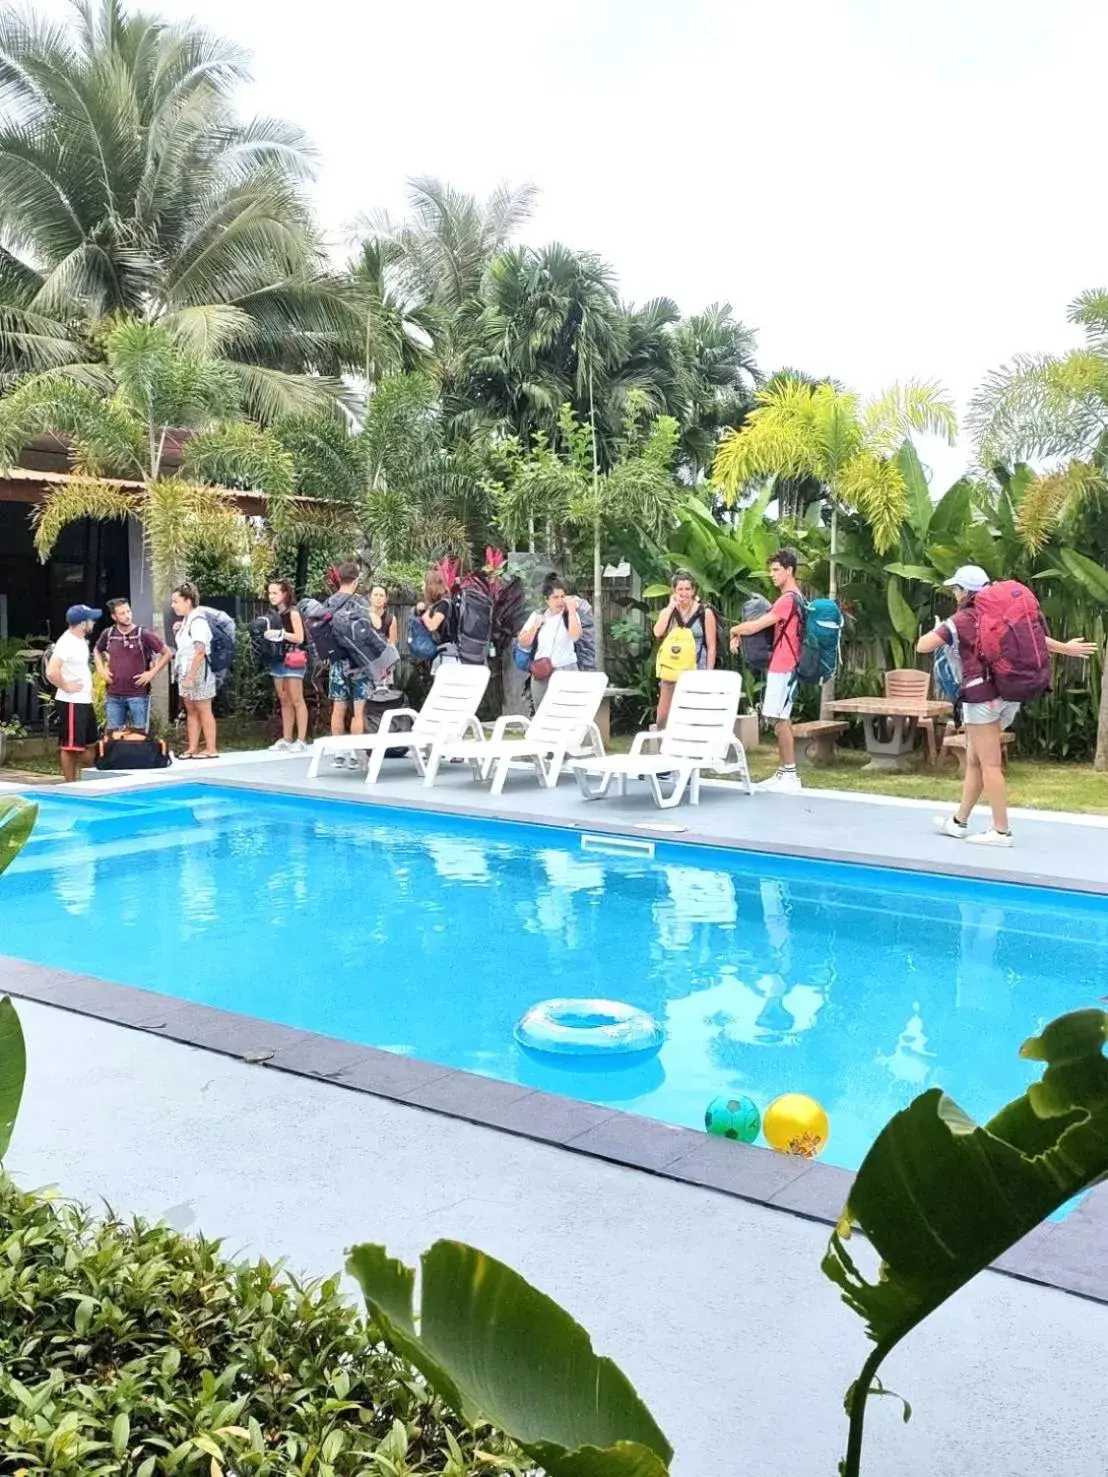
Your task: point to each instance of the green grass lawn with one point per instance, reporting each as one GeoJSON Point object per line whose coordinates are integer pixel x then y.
{"type": "Point", "coordinates": [1032, 783]}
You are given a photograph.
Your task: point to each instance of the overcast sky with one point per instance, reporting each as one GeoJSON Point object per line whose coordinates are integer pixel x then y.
{"type": "Point", "coordinates": [881, 188]}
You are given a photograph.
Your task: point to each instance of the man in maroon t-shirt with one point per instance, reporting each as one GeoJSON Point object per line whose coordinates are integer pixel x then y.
{"type": "Point", "coordinates": [128, 657]}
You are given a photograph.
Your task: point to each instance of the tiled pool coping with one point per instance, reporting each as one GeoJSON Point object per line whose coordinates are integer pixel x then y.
{"type": "Point", "coordinates": [1067, 1255]}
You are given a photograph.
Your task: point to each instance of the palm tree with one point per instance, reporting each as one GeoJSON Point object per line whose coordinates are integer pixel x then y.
{"type": "Point", "coordinates": [129, 187]}
{"type": "Point", "coordinates": [1053, 408]}
{"type": "Point", "coordinates": [800, 430]}
{"type": "Point", "coordinates": [158, 389]}
{"type": "Point", "coordinates": [720, 377]}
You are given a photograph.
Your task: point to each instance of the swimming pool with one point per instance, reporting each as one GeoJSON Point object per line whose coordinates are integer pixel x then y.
{"type": "Point", "coordinates": [431, 935]}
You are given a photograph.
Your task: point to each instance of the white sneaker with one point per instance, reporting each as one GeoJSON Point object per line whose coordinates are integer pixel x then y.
{"type": "Point", "coordinates": [946, 825]}
{"type": "Point", "coordinates": [353, 762]}
{"type": "Point", "coordinates": [338, 761]}
{"type": "Point", "coordinates": [991, 838]}
{"type": "Point", "coordinates": [782, 783]}
{"type": "Point", "coordinates": [282, 746]}
{"type": "Point", "coordinates": [297, 747]}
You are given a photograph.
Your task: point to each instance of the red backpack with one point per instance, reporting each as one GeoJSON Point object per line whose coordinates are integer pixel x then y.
{"type": "Point", "coordinates": [1011, 641]}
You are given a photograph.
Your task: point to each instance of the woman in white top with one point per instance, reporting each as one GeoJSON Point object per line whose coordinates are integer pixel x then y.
{"type": "Point", "coordinates": [550, 635]}
{"type": "Point", "coordinates": [192, 668]}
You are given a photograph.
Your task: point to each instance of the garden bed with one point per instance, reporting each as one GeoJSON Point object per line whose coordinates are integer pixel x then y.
{"type": "Point", "coordinates": [132, 1349]}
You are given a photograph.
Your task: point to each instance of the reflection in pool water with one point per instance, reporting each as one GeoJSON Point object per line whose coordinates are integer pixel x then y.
{"type": "Point", "coordinates": [432, 936]}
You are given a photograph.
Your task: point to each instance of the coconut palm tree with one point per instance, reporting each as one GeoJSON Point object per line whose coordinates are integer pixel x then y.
{"type": "Point", "coordinates": [720, 376]}
{"type": "Point", "coordinates": [129, 187]}
{"type": "Point", "coordinates": [118, 447]}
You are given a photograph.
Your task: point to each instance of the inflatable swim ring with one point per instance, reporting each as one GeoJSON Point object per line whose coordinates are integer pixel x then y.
{"type": "Point", "coordinates": [588, 1028]}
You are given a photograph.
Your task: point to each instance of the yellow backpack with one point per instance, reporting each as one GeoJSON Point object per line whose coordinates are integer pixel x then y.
{"type": "Point", "coordinates": [676, 654]}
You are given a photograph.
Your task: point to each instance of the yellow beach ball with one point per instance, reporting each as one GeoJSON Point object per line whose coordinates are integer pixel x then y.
{"type": "Point", "coordinates": [796, 1124]}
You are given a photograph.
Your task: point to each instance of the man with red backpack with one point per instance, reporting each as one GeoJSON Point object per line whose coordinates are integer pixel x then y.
{"type": "Point", "coordinates": [996, 645]}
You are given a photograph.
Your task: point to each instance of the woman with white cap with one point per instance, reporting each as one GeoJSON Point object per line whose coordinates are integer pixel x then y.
{"type": "Point", "coordinates": [984, 712]}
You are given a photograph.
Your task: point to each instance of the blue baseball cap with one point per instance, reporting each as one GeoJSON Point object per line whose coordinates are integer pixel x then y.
{"type": "Point", "coordinates": [78, 613]}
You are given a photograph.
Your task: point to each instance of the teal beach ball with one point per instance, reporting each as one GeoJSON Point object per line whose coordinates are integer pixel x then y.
{"type": "Point", "coordinates": [733, 1118]}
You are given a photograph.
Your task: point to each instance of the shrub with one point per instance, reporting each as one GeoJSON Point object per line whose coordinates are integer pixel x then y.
{"type": "Point", "coordinates": [131, 1349]}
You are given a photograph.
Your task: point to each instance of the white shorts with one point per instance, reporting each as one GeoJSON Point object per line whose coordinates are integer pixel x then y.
{"type": "Point", "coordinates": [778, 698]}
{"type": "Point", "coordinates": [996, 710]}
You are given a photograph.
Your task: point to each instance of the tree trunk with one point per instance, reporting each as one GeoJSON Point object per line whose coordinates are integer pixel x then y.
{"type": "Point", "coordinates": [827, 691]}
{"type": "Point", "coordinates": [598, 593]}
{"type": "Point", "coordinates": [1101, 761]}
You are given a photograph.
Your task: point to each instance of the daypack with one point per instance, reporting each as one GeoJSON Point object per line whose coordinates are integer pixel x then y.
{"type": "Point", "coordinates": [948, 667]}
{"type": "Point", "coordinates": [322, 646]}
{"type": "Point", "coordinates": [422, 646]}
{"type": "Point", "coordinates": [472, 625]}
{"type": "Point", "coordinates": [1011, 641]}
{"type": "Point", "coordinates": [131, 749]}
{"type": "Point", "coordinates": [365, 651]}
{"type": "Point", "coordinates": [822, 627]}
{"type": "Point", "coordinates": [521, 655]}
{"type": "Point", "coordinates": [260, 648]}
{"type": "Point", "coordinates": [757, 649]}
{"type": "Point", "coordinates": [221, 653]}
{"type": "Point", "coordinates": [585, 645]}
{"type": "Point", "coordinates": [676, 654]}
{"type": "Point", "coordinates": [44, 663]}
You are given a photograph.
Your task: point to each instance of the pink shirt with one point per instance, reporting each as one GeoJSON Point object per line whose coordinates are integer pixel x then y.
{"type": "Point", "coordinates": [786, 635]}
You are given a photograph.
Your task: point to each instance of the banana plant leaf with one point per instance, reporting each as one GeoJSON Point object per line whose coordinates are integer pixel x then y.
{"type": "Point", "coordinates": [920, 506]}
{"type": "Point", "coordinates": [951, 514]}
{"type": "Point", "coordinates": [940, 1197]}
{"type": "Point", "coordinates": [13, 1071]}
{"type": "Point", "coordinates": [904, 618]}
{"type": "Point", "coordinates": [17, 820]}
{"type": "Point", "coordinates": [498, 1350]}
{"type": "Point", "coordinates": [922, 572]}
{"type": "Point", "coordinates": [1093, 576]}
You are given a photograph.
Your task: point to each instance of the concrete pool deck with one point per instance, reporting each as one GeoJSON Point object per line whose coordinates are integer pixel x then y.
{"type": "Point", "coordinates": [714, 1307]}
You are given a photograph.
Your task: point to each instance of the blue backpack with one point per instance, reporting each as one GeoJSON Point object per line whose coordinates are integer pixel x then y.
{"type": "Point", "coordinates": [948, 669]}
{"type": "Point", "coordinates": [422, 646]}
{"type": "Point", "coordinates": [823, 629]}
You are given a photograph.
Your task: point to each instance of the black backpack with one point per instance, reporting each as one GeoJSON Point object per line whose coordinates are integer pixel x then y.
{"type": "Point", "coordinates": [757, 649]}
{"type": "Point", "coordinates": [364, 650]}
{"type": "Point", "coordinates": [473, 625]}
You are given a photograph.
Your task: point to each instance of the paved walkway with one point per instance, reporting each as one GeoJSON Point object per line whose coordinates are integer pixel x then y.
{"type": "Point", "coordinates": [1051, 850]}
{"type": "Point", "coordinates": [715, 1308]}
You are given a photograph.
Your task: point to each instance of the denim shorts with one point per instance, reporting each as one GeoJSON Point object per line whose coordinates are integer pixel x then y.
{"type": "Point", "coordinates": [126, 712]}
{"type": "Point", "coordinates": [994, 711]}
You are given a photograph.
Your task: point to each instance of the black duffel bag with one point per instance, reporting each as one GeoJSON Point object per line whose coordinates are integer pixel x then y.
{"type": "Point", "coordinates": [131, 749]}
{"type": "Point", "coordinates": [381, 701]}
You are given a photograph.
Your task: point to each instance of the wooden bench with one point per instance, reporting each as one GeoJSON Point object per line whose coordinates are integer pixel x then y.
{"type": "Point", "coordinates": [955, 743]}
{"type": "Point", "coordinates": [817, 739]}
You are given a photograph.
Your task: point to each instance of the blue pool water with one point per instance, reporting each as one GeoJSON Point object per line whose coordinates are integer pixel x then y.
{"type": "Point", "coordinates": [431, 936]}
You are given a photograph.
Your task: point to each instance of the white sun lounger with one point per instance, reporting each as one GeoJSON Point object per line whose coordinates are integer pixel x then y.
{"type": "Point", "coordinates": [564, 726]}
{"type": "Point", "coordinates": [699, 735]}
{"type": "Point", "coordinates": [448, 714]}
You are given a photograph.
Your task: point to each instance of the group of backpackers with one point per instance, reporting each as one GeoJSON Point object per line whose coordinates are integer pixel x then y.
{"type": "Point", "coordinates": [992, 656]}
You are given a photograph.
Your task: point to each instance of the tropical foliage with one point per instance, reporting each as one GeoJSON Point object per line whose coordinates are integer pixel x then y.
{"type": "Point", "coordinates": [940, 1197]}
{"type": "Point", "coordinates": [128, 186]}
